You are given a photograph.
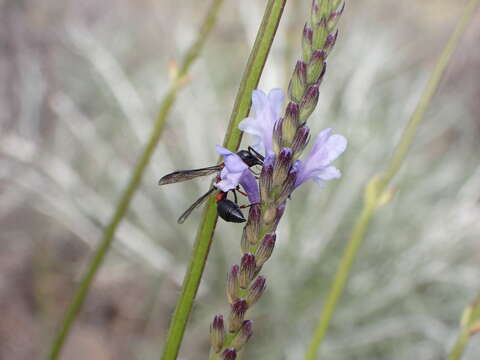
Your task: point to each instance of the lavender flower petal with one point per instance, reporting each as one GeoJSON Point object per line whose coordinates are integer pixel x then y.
{"type": "Point", "coordinates": [233, 170]}
{"type": "Point", "coordinates": [267, 112]}
{"type": "Point", "coordinates": [236, 172]}
{"type": "Point", "coordinates": [316, 166]}
{"type": "Point", "coordinates": [249, 184]}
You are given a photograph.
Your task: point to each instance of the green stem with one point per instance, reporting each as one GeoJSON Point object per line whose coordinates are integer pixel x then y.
{"type": "Point", "coordinates": [134, 182]}
{"type": "Point", "coordinates": [375, 190]}
{"type": "Point", "coordinates": [460, 345]}
{"type": "Point", "coordinates": [250, 79]}
{"type": "Point", "coordinates": [469, 325]}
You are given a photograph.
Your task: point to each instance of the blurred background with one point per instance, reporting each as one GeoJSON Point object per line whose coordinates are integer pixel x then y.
{"type": "Point", "coordinates": [80, 85]}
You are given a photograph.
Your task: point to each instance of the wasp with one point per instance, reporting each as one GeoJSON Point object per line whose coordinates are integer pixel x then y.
{"type": "Point", "coordinates": [227, 209]}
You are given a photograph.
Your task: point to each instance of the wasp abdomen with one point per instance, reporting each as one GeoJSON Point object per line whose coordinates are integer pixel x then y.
{"type": "Point", "coordinates": [229, 211]}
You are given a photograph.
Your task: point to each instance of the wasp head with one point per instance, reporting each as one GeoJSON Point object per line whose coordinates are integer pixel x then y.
{"type": "Point", "coordinates": [249, 158]}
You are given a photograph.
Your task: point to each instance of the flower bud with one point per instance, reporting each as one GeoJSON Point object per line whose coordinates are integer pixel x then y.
{"type": "Point", "coordinates": [330, 42]}
{"type": "Point", "coordinates": [290, 123]}
{"type": "Point", "coordinates": [277, 138]}
{"type": "Point", "coordinates": [229, 354]}
{"type": "Point", "coordinates": [316, 12]}
{"type": "Point", "coordinates": [233, 284]}
{"type": "Point", "coordinates": [320, 33]}
{"type": "Point", "coordinates": [315, 66]}
{"type": "Point", "coordinates": [296, 88]}
{"type": "Point", "coordinates": [244, 244]}
{"type": "Point", "coordinates": [269, 215]}
{"type": "Point", "coordinates": [307, 43]}
{"type": "Point", "coordinates": [265, 249]}
{"type": "Point", "coordinates": [279, 213]}
{"type": "Point", "coordinates": [253, 225]}
{"type": "Point", "coordinates": [237, 313]}
{"type": "Point", "coordinates": [309, 102]}
{"type": "Point", "coordinates": [288, 185]}
{"type": "Point", "coordinates": [282, 165]}
{"type": "Point", "coordinates": [247, 270]}
{"type": "Point", "coordinates": [217, 333]}
{"type": "Point", "coordinates": [334, 17]}
{"type": "Point", "coordinates": [266, 178]}
{"type": "Point", "coordinates": [300, 141]}
{"type": "Point", "coordinates": [256, 290]}
{"type": "Point", "coordinates": [243, 335]}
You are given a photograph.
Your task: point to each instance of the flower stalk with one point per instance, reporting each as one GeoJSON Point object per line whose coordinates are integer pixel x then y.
{"type": "Point", "coordinates": [469, 326]}
{"type": "Point", "coordinates": [124, 203]}
{"type": "Point", "coordinates": [377, 187]}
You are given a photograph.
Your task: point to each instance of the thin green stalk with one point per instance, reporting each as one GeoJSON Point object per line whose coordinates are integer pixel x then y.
{"type": "Point", "coordinates": [233, 136]}
{"type": "Point", "coordinates": [469, 325]}
{"type": "Point", "coordinates": [375, 191]}
{"type": "Point", "coordinates": [134, 182]}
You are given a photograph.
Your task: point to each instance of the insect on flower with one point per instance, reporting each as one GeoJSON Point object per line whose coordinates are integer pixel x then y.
{"type": "Point", "coordinates": [228, 210]}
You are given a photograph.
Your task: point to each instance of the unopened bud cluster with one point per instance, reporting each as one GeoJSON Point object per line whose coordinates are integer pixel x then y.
{"type": "Point", "coordinates": [318, 38]}
{"type": "Point", "coordinates": [277, 180]}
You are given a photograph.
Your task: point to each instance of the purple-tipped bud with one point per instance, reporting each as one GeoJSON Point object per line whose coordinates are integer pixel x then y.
{"type": "Point", "coordinates": [229, 354]}
{"type": "Point", "coordinates": [269, 215]}
{"type": "Point", "coordinates": [256, 290]}
{"type": "Point", "coordinates": [266, 178]}
{"type": "Point", "coordinates": [244, 244]}
{"type": "Point", "coordinates": [217, 333]}
{"type": "Point", "coordinates": [233, 284]}
{"type": "Point", "coordinates": [277, 138]}
{"type": "Point", "coordinates": [288, 186]}
{"type": "Point", "coordinates": [265, 249]}
{"type": "Point", "coordinates": [253, 225]}
{"type": "Point", "coordinates": [334, 17]}
{"type": "Point", "coordinates": [279, 214]}
{"type": "Point", "coordinates": [320, 34]}
{"type": "Point", "coordinates": [315, 66]}
{"type": "Point", "coordinates": [316, 11]}
{"type": "Point", "coordinates": [309, 102]}
{"type": "Point", "coordinates": [247, 270]}
{"type": "Point", "coordinates": [290, 123]}
{"type": "Point", "coordinates": [330, 42]}
{"type": "Point", "coordinates": [296, 88]}
{"type": "Point", "coordinates": [282, 166]}
{"type": "Point", "coordinates": [300, 141]}
{"type": "Point", "coordinates": [237, 314]}
{"type": "Point", "coordinates": [243, 335]}
{"type": "Point", "coordinates": [307, 43]}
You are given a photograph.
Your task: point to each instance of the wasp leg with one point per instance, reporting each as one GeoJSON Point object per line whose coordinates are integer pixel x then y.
{"type": "Point", "coordinates": [235, 195]}
{"type": "Point", "coordinates": [247, 206]}
{"type": "Point", "coordinates": [242, 192]}
{"type": "Point", "coordinates": [252, 150]}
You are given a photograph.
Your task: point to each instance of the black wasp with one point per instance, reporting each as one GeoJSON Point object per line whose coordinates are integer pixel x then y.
{"type": "Point", "coordinates": [227, 209]}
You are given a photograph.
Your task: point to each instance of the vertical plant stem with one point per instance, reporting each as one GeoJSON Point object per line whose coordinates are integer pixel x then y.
{"type": "Point", "coordinates": [469, 325]}
{"type": "Point", "coordinates": [460, 345]}
{"type": "Point", "coordinates": [134, 182]}
{"type": "Point", "coordinates": [233, 136]}
{"type": "Point", "coordinates": [375, 189]}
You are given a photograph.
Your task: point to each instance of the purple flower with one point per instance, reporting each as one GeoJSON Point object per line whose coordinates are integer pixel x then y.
{"type": "Point", "coordinates": [267, 112]}
{"type": "Point", "coordinates": [316, 165]}
{"type": "Point", "coordinates": [236, 172]}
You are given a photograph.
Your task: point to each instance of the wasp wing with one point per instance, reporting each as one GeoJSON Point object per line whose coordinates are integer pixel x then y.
{"type": "Point", "coordinates": [197, 203]}
{"type": "Point", "coordinates": [185, 175]}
